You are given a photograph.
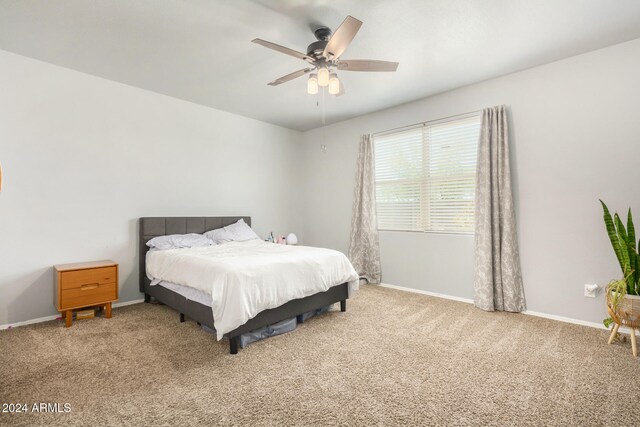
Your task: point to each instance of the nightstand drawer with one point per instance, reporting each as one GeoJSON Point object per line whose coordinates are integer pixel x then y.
{"type": "Point", "coordinates": [88, 294]}
{"type": "Point", "coordinates": [78, 278]}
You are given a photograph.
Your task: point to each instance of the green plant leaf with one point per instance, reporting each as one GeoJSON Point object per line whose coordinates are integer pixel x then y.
{"type": "Point", "coordinates": [624, 246]}
{"type": "Point", "coordinates": [618, 289]}
{"type": "Point", "coordinates": [637, 271]}
{"type": "Point", "coordinates": [622, 232]}
{"type": "Point", "coordinates": [631, 230]}
{"type": "Point", "coordinates": [613, 235]}
{"type": "Point", "coordinates": [607, 322]}
{"type": "Point", "coordinates": [633, 254]}
{"type": "Point", "coordinates": [632, 280]}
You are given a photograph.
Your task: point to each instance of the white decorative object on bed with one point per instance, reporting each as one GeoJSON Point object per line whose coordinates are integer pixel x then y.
{"type": "Point", "coordinates": [245, 278]}
{"type": "Point", "coordinates": [292, 239]}
{"type": "Point", "coordinates": [177, 241]}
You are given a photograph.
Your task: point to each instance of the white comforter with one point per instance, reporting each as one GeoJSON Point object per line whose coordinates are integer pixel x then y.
{"type": "Point", "coordinates": [245, 278]}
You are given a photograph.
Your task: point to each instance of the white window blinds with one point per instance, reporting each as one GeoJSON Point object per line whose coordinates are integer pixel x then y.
{"type": "Point", "coordinates": [425, 176]}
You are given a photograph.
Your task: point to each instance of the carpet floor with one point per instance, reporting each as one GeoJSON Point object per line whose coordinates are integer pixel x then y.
{"type": "Point", "coordinates": [394, 358]}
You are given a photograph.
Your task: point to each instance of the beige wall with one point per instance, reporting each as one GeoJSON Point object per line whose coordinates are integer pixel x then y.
{"type": "Point", "coordinates": [575, 138]}
{"type": "Point", "coordinates": [84, 157]}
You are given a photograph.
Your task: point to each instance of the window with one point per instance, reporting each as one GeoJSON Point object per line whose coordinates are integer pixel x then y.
{"type": "Point", "coordinates": [425, 176]}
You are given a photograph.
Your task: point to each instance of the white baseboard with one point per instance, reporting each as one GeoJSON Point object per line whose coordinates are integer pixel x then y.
{"type": "Point", "coordinates": [55, 316]}
{"type": "Point", "coordinates": [124, 303]}
{"type": "Point", "coordinates": [564, 319]}
{"type": "Point", "coordinates": [431, 294]}
{"type": "Point", "coordinates": [623, 329]}
{"type": "Point", "coordinates": [29, 322]}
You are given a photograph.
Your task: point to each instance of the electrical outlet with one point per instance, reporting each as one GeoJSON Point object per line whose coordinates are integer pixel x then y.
{"type": "Point", "coordinates": [591, 290]}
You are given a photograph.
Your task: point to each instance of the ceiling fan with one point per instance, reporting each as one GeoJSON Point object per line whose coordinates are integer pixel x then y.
{"type": "Point", "coordinates": [324, 57]}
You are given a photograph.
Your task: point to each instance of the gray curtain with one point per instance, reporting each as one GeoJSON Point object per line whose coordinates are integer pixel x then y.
{"type": "Point", "coordinates": [364, 250]}
{"type": "Point", "coordinates": [497, 275]}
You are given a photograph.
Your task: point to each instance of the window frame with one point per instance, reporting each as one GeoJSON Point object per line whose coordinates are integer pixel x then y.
{"type": "Point", "coordinates": [425, 210]}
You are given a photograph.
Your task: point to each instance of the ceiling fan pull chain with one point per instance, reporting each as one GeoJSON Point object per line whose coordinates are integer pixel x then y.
{"type": "Point", "coordinates": [324, 118]}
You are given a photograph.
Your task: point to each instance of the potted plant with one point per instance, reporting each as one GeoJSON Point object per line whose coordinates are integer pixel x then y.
{"type": "Point", "coordinates": [623, 296]}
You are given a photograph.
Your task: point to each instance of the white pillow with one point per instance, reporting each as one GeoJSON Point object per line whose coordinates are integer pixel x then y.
{"type": "Point", "coordinates": [176, 241]}
{"type": "Point", "coordinates": [237, 232]}
{"type": "Point", "coordinates": [219, 235]}
{"type": "Point", "coordinates": [241, 231]}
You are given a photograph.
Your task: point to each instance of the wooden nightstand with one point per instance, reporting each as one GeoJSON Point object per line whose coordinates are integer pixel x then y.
{"type": "Point", "coordinates": [85, 284]}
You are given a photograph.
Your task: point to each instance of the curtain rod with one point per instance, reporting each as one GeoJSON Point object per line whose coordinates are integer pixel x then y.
{"type": "Point", "coordinates": [427, 122]}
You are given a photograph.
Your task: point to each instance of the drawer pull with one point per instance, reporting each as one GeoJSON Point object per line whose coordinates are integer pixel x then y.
{"type": "Point", "coordinates": [89, 286]}
{"type": "Point", "coordinates": [75, 279]}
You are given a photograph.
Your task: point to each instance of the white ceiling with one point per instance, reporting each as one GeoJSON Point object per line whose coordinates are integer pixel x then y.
{"type": "Point", "coordinates": [200, 50]}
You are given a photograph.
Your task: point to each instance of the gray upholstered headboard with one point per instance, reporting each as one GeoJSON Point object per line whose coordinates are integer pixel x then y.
{"type": "Point", "coordinates": [162, 226]}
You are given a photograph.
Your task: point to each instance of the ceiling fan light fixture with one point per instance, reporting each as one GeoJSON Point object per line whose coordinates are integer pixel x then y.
{"type": "Point", "coordinates": [334, 84]}
{"type": "Point", "coordinates": [325, 55]}
{"type": "Point", "coordinates": [312, 84]}
{"type": "Point", "coordinates": [323, 76]}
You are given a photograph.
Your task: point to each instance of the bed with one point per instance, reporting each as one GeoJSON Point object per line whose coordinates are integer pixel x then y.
{"type": "Point", "coordinates": [150, 227]}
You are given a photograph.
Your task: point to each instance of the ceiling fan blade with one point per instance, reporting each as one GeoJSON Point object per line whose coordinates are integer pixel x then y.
{"type": "Point", "coordinates": [342, 37]}
{"type": "Point", "coordinates": [284, 50]}
{"type": "Point", "coordinates": [366, 65]}
{"type": "Point", "coordinates": [291, 76]}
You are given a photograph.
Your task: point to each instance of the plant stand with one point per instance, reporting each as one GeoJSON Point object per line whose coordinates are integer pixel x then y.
{"type": "Point", "coordinates": [613, 334]}
{"type": "Point", "coordinates": [634, 343]}
{"type": "Point", "coordinates": [626, 313]}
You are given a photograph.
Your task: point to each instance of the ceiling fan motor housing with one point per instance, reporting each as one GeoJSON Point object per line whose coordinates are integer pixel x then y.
{"type": "Point", "coordinates": [322, 33]}
{"type": "Point", "coordinates": [316, 49]}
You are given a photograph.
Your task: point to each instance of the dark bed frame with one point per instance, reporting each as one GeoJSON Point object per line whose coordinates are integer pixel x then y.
{"type": "Point", "coordinates": [162, 226]}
